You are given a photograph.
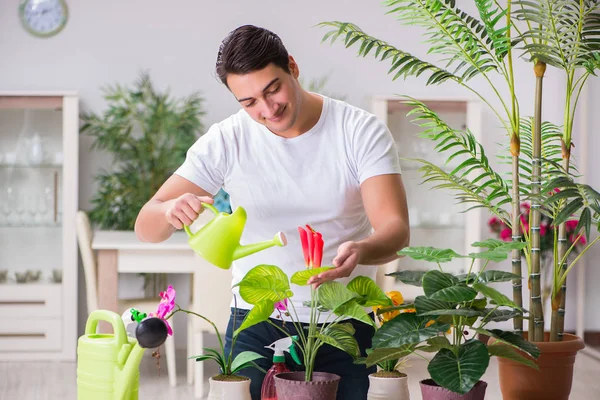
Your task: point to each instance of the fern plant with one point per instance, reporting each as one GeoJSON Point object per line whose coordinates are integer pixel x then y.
{"type": "Point", "coordinates": [564, 34]}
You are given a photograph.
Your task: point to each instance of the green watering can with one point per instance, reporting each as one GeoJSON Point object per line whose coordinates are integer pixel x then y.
{"type": "Point", "coordinates": [218, 242]}
{"type": "Point", "coordinates": [107, 364]}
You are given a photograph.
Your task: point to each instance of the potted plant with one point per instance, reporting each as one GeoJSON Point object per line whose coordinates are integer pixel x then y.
{"type": "Point", "coordinates": [147, 132]}
{"type": "Point", "coordinates": [465, 304]}
{"type": "Point", "coordinates": [227, 385]}
{"type": "Point", "coordinates": [388, 383]}
{"type": "Point", "coordinates": [560, 33]}
{"type": "Point", "coordinates": [267, 288]}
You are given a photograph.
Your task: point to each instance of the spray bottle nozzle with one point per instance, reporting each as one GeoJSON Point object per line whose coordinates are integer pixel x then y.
{"type": "Point", "coordinates": [286, 344]}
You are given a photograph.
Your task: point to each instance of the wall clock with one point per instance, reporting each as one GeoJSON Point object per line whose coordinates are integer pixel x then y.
{"type": "Point", "coordinates": [43, 18]}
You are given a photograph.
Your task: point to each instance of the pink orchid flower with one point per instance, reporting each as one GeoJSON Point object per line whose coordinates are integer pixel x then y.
{"type": "Point", "coordinates": [166, 305]}
{"type": "Point", "coordinates": [282, 305]}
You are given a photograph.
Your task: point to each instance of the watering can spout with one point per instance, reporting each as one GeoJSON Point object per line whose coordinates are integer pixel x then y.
{"type": "Point", "coordinates": [218, 242]}
{"type": "Point", "coordinates": [242, 251]}
{"type": "Point", "coordinates": [129, 374]}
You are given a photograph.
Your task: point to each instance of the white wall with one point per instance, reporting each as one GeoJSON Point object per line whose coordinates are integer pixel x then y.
{"type": "Point", "coordinates": [109, 41]}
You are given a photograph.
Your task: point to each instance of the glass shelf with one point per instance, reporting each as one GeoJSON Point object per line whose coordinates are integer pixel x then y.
{"type": "Point", "coordinates": [26, 166]}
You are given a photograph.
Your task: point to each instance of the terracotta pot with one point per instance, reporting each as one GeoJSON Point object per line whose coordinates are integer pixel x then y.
{"type": "Point", "coordinates": [553, 380]}
{"type": "Point", "coordinates": [291, 386]}
{"type": "Point", "coordinates": [388, 388]}
{"type": "Point", "coordinates": [229, 390]}
{"type": "Point", "coordinates": [432, 391]}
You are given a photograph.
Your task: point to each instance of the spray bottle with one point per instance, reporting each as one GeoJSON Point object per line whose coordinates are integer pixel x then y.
{"type": "Point", "coordinates": [286, 344]}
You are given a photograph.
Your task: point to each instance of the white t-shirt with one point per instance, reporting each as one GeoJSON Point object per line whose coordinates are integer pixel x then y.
{"type": "Point", "coordinates": [284, 183]}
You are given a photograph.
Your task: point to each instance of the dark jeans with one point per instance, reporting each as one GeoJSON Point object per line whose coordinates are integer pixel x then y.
{"type": "Point", "coordinates": [355, 377]}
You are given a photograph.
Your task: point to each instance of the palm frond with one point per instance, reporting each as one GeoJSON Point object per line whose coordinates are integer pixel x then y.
{"type": "Point", "coordinates": [456, 34]}
{"type": "Point", "coordinates": [490, 17]}
{"type": "Point", "coordinates": [566, 32]}
{"type": "Point", "coordinates": [466, 192]}
{"type": "Point", "coordinates": [403, 63]}
{"type": "Point", "coordinates": [474, 166]}
{"type": "Point", "coordinates": [551, 154]}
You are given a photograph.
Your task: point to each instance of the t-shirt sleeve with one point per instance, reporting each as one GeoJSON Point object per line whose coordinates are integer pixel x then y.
{"type": "Point", "coordinates": [375, 150]}
{"type": "Point", "coordinates": [206, 162]}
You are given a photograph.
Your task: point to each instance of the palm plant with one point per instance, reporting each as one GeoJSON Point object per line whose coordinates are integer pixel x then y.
{"type": "Point", "coordinates": [560, 33]}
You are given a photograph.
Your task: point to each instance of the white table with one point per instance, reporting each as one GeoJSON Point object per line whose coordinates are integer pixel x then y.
{"type": "Point", "coordinates": [122, 252]}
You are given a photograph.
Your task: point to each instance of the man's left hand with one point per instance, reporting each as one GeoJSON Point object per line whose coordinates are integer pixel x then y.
{"type": "Point", "coordinates": [349, 253]}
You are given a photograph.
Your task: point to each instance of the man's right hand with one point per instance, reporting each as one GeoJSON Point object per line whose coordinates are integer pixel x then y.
{"type": "Point", "coordinates": [185, 209]}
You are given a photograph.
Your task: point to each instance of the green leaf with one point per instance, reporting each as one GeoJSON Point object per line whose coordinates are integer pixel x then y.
{"type": "Point", "coordinates": [260, 312]}
{"type": "Point", "coordinates": [430, 254]}
{"type": "Point", "coordinates": [370, 294]}
{"type": "Point", "coordinates": [501, 350]}
{"type": "Point", "coordinates": [333, 294]}
{"type": "Point", "coordinates": [497, 276]}
{"type": "Point", "coordinates": [490, 255]}
{"type": "Point", "coordinates": [479, 304]}
{"type": "Point", "coordinates": [496, 244]}
{"type": "Point", "coordinates": [459, 373]}
{"type": "Point", "coordinates": [414, 278]}
{"type": "Point", "coordinates": [243, 360]}
{"type": "Point", "coordinates": [498, 315]}
{"type": "Point", "coordinates": [455, 294]}
{"type": "Point", "coordinates": [434, 281]}
{"type": "Point", "coordinates": [424, 305]}
{"type": "Point", "coordinates": [353, 310]}
{"type": "Point", "coordinates": [512, 339]}
{"type": "Point", "coordinates": [437, 343]}
{"type": "Point", "coordinates": [380, 355]}
{"type": "Point", "coordinates": [406, 328]}
{"type": "Point", "coordinates": [494, 295]}
{"type": "Point", "coordinates": [265, 282]}
{"type": "Point", "coordinates": [341, 336]}
{"type": "Point", "coordinates": [462, 312]}
{"type": "Point", "coordinates": [301, 277]}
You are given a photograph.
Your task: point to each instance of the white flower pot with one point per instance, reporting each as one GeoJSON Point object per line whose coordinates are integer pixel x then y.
{"type": "Point", "coordinates": [227, 390]}
{"type": "Point", "coordinates": [388, 388]}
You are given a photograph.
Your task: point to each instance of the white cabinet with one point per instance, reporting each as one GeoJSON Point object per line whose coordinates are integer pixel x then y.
{"type": "Point", "coordinates": [436, 218]}
{"type": "Point", "coordinates": [39, 167]}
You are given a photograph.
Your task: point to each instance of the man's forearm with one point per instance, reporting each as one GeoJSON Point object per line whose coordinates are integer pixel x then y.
{"type": "Point", "coordinates": [151, 224]}
{"type": "Point", "coordinates": [382, 246]}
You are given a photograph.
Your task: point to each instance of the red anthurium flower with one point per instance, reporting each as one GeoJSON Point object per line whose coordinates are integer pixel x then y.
{"type": "Point", "coordinates": [312, 246]}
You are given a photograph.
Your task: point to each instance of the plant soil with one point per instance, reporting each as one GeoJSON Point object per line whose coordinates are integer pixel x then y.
{"type": "Point", "coordinates": [389, 374]}
{"type": "Point", "coordinates": [229, 378]}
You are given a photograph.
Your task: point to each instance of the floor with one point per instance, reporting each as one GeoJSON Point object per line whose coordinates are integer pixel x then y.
{"type": "Point", "coordinates": [51, 381]}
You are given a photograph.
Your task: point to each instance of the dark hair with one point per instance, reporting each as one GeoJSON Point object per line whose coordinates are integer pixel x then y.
{"type": "Point", "coordinates": [250, 48]}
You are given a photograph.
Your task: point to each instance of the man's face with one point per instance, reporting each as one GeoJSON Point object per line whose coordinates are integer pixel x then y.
{"type": "Point", "coordinates": [270, 96]}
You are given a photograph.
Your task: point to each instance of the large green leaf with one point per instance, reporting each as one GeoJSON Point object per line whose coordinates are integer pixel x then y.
{"type": "Point", "coordinates": [435, 344]}
{"type": "Point", "coordinates": [430, 254]}
{"type": "Point", "coordinates": [333, 294]}
{"type": "Point", "coordinates": [500, 245]}
{"type": "Point", "coordinates": [498, 315]}
{"type": "Point", "coordinates": [353, 310]}
{"type": "Point", "coordinates": [461, 312]}
{"type": "Point", "coordinates": [301, 277]}
{"type": "Point", "coordinates": [494, 295]}
{"type": "Point", "coordinates": [456, 293]}
{"type": "Point", "coordinates": [265, 282]}
{"type": "Point", "coordinates": [378, 356]}
{"type": "Point", "coordinates": [497, 276]}
{"type": "Point", "coordinates": [414, 278]}
{"type": "Point", "coordinates": [490, 255]}
{"type": "Point", "coordinates": [509, 352]}
{"type": "Point", "coordinates": [341, 336]}
{"type": "Point", "coordinates": [370, 294]}
{"type": "Point", "coordinates": [434, 281]}
{"type": "Point", "coordinates": [244, 360]}
{"type": "Point", "coordinates": [424, 305]}
{"type": "Point", "coordinates": [513, 340]}
{"type": "Point", "coordinates": [406, 328]}
{"type": "Point", "coordinates": [259, 313]}
{"type": "Point", "coordinates": [459, 373]}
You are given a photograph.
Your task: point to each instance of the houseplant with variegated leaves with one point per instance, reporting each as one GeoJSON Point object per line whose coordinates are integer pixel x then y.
{"type": "Point", "coordinates": [267, 288]}
{"type": "Point", "coordinates": [465, 304]}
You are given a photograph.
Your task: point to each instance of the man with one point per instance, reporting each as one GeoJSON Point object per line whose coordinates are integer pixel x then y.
{"type": "Point", "coordinates": [291, 158]}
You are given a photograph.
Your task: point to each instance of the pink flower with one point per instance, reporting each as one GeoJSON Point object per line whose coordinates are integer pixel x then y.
{"type": "Point", "coordinates": [312, 246]}
{"type": "Point", "coordinates": [166, 305]}
{"type": "Point", "coordinates": [494, 221]}
{"type": "Point", "coordinates": [543, 229]}
{"type": "Point", "coordinates": [524, 223]}
{"type": "Point", "coordinates": [506, 234]}
{"type": "Point", "coordinates": [580, 240]}
{"type": "Point", "coordinates": [571, 225]}
{"type": "Point", "coordinates": [282, 305]}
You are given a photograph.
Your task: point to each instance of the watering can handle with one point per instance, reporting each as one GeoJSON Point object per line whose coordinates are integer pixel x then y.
{"type": "Point", "coordinates": [113, 318]}
{"type": "Point", "coordinates": [205, 205]}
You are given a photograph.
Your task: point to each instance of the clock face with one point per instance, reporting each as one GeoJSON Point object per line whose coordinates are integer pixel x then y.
{"type": "Point", "coordinates": [43, 17]}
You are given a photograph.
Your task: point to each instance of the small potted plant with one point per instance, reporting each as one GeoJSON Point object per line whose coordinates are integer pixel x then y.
{"type": "Point", "coordinates": [267, 287]}
{"type": "Point", "coordinates": [227, 385]}
{"type": "Point", "coordinates": [463, 303]}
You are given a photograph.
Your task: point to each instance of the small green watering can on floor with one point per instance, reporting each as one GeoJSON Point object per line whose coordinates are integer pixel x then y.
{"type": "Point", "coordinates": [218, 242]}
{"type": "Point", "coordinates": [107, 364]}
